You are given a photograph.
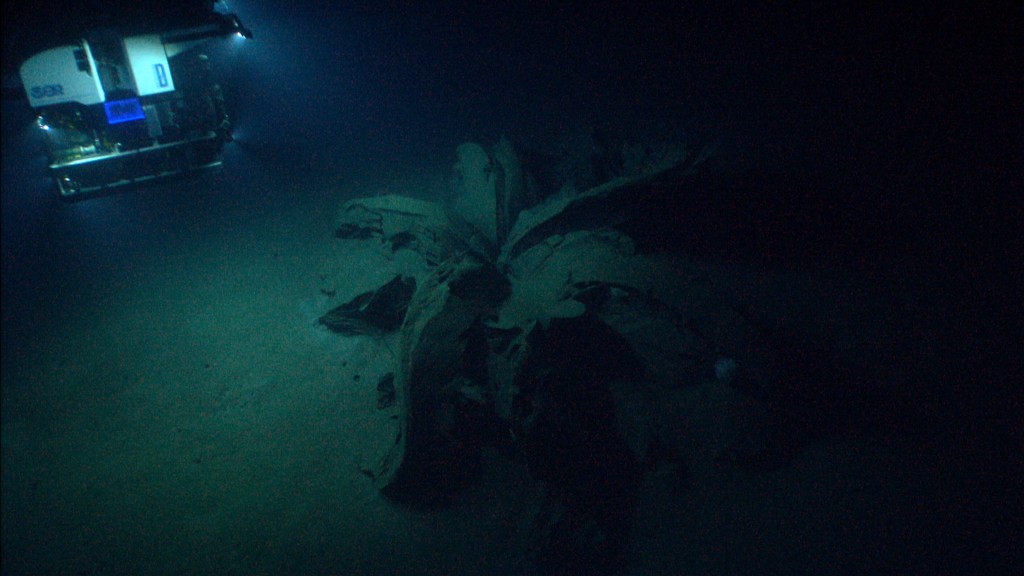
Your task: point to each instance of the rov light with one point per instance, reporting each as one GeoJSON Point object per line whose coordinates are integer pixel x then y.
{"type": "Point", "coordinates": [42, 123]}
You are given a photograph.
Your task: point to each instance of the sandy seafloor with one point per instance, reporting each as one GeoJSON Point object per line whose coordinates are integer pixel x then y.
{"type": "Point", "coordinates": [171, 407]}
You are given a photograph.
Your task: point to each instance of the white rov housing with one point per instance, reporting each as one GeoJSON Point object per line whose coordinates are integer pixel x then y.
{"type": "Point", "coordinates": [70, 73]}
{"type": "Point", "coordinates": [63, 74]}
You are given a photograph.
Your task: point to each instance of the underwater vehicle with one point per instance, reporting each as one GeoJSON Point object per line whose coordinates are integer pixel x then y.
{"type": "Point", "coordinates": [120, 110]}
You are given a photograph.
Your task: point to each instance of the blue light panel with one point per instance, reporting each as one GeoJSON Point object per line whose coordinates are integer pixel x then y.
{"type": "Point", "coordinates": [120, 111]}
